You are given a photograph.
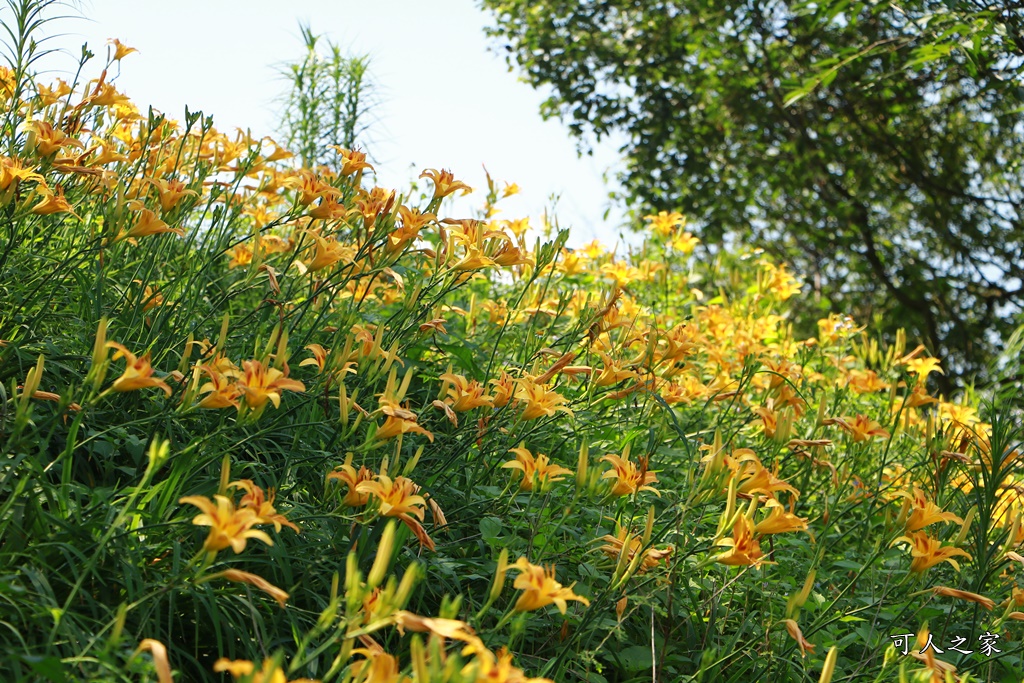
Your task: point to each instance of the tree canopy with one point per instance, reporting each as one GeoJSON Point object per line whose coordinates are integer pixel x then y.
{"type": "Point", "coordinates": [876, 147]}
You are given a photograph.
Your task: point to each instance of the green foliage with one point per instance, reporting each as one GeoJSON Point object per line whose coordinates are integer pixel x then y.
{"type": "Point", "coordinates": [849, 139]}
{"type": "Point", "coordinates": [330, 96]}
{"type": "Point", "coordinates": [442, 443]}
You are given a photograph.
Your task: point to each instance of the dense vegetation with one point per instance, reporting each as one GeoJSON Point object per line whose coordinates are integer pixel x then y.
{"type": "Point", "coordinates": [873, 146]}
{"type": "Point", "coordinates": [268, 422]}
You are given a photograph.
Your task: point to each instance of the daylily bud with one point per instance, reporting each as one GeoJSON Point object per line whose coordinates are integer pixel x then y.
{"type": "Point", "coordinates": [122, 614]}
{"type": "Point", "coordinates": [582, 463]}
{"type": "Point", "coordinates": [620, 607]}
{"type": "Point", "coordinates": [499, 576]}
{"type": "Point", "coordinates": [186, 354]}
{"type": "Point", "coordinates": [419, 659]}
{"type": "Point", "coordinates": [411, 465]}
{"type": "Point", "coordinates": [343, 404]}
{"type": "Point", "coordinates": [725, 522]}
{"type": "Point", "coordinates": [158, 452]}
{"type": "Point", "coordinates": [31, 386]}
{"type": "Point", "coordinates": [821, 412]}
{"type": "Point", "coordinates": [353, 591]}
{"type": "Point", "coordinates": [797, 600]}
{"type": "Point", "coordinates": [385, 548]}
{"type": "Point", "coordinates": [830, 665]}
{"type": "Point", "coordinates": [225, 474]}
{"type": "Point", "coordinates": [966, 526]}
{"type": "Point", "coordinates": [98, 370]}
{"type": "Point", "coordinates": [223, 338]}
{"type": "Point", "coordinates": [281, 357]}
{"type": "Point", "coordinates": [404, 591]}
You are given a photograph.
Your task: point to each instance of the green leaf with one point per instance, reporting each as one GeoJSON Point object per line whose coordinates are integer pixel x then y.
{"type": "Point", "coordinates": [490, 529]}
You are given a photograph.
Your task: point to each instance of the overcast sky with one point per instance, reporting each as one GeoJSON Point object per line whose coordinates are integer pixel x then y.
{"type": "Point", "coordinates": [445, 99]}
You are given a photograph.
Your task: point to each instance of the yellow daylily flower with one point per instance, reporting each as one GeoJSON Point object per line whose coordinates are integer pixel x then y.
{"type": "Point", "coordinates": [244, 669]}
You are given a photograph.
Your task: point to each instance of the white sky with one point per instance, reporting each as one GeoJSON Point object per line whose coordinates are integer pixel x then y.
{"type": "Point", "coordinates": [445, 99]}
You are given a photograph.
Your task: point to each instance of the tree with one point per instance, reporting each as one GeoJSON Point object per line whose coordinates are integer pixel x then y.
{"type": "Point", "coordinates": [822, 133]}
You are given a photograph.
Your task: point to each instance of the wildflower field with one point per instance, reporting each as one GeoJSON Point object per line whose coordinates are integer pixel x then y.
{"type": "Point", "coordinates": [264, 422]}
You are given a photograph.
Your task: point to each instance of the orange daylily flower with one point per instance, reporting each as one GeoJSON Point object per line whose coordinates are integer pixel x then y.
{"type": "Point", "coordinates": [48, 140]}
{"type": "Point", "coordinates": [745, 549]}
{"type": "Point", "coordinates": [540, 588]}
{"type": "Point", "coordinates": [222, 392]}
{"type": "Point", "coordinates": [612, 372]}
{"type": "Point", "coordinates": [241, 255]}
{"type": "Point", "coordinates": [925, 512]}
{"type": "Point", "coordinates": [796, 634]}
{"type": "Point", "coordinates": [664, 223]}
{"type": "Point", "coordinates": [399, 420]}
{"type": "Point", "coordinates": [148, 223]}
{"type": "Point", "coordinates": [106, 95]}
{"type": "Point", "coordinates": [928, 552]}
{"type": "Point", "coordinates": [229, 526]}
{"type": "Point", "coordinates": [329, 251]}
{"type": "Point", "coordinates": [487, 667]}
{"type": "Point", "coordinates": [629, 479]}
{"type": "Point", "coordinates": [309, 186]}
{"type": "Point", "coordinates": [120, 49]}
{"type": "Point", "coordinates": [351, 478]}
{"type": "Point", "coordinates": [52, 202]}
{"type": "Point", "coordinates": [861, 428]}
{"type": "Point", "coordinates": [445, 183]}
{"type": "Point", "coordinates": [399, 498]}
{"type": "Point", "coordinates": [755, 478]}
{"type": "Point", "coordinates": [779, 521]}
{"type": "Point", "coordinates": [412, 221]}
{"type": "Point", "coordinates": [941, 671]}
{"type": "Point", "coordinates": [260, 384]}
{"type": "Point", "coordinates": [540, 401]}
{"type": "Point", "coordinates": [262, 504]}
{"type": "Point", "coordinates": [504, 389]}
{"type": "Point", "coordinates": [651, 556]}
{"type": "Point", "coordinates": [319, 356]}
{"type": "Point", "coordinates": [138, 373]}
{"type": "Point", "coordinates": [464, 395]}
{"type": "Point", "coordinates": [352, 160]}
{"type": "Point", "coordinates": [170, 192]}
{"type": "Point", "coordinates": [535, 469]}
